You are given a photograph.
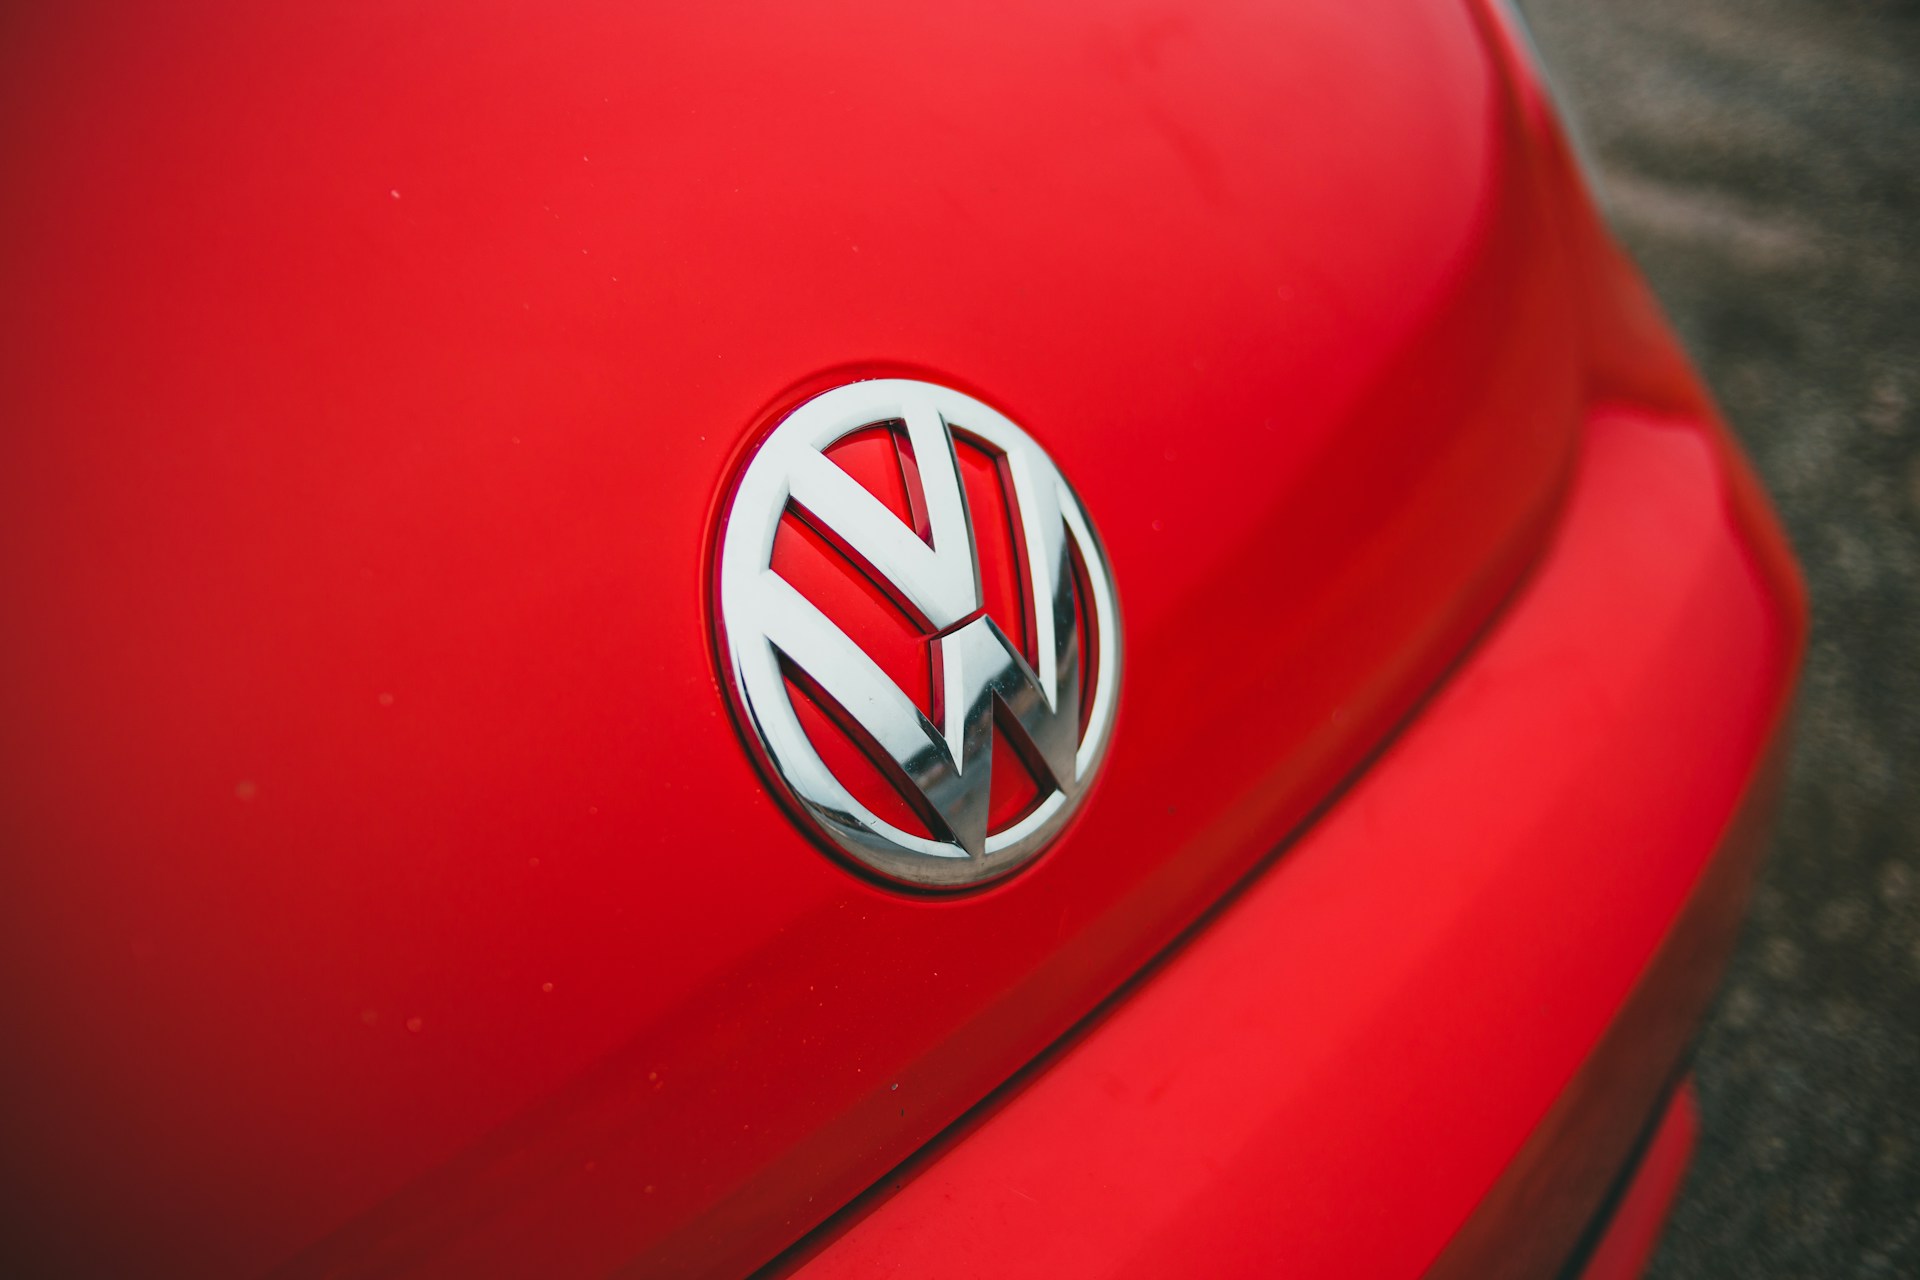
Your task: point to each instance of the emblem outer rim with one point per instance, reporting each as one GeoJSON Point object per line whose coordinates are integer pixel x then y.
{"type": "Point", "coordinates": [866, 850]}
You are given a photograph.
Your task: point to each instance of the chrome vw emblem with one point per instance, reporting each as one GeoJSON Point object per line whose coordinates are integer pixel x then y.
{"type": "Point", "coordinates": [1054, 703]}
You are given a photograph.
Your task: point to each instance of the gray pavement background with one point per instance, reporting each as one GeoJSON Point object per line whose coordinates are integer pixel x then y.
{"type": "Point", "coordinates": [1761, 159]}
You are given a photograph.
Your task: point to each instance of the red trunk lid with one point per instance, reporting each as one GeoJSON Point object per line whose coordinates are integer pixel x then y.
{"type": "Point", "coordinates": [386, 878]}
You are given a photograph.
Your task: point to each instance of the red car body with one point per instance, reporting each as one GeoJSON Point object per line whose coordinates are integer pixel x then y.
{"type": "Point", "coordinates": [388, 887]}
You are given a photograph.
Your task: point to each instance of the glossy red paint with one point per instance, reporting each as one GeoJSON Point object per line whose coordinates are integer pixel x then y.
{"type": "Point", "coordinates": [386, 886]}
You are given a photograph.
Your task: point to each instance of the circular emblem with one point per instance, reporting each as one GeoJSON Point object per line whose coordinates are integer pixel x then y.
{"type": "Point", "coordinates": [920, 630]}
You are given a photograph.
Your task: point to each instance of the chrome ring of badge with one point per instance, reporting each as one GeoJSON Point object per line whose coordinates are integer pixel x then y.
{"type": "Point", "coordinates": [940, 762]}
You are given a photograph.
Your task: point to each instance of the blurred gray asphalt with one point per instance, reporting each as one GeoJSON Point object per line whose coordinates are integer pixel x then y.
{"type": "Point", "coordinates": [1761, 158]}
